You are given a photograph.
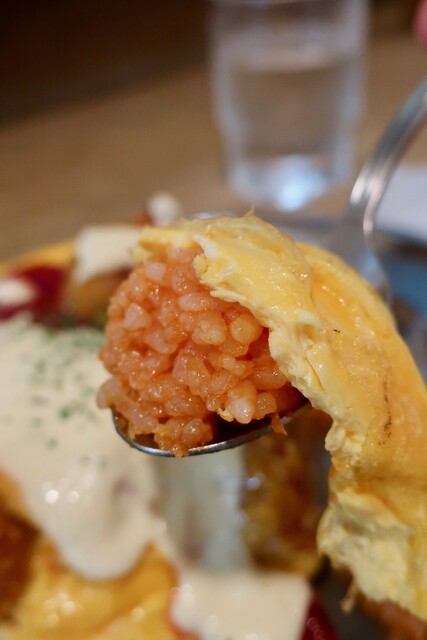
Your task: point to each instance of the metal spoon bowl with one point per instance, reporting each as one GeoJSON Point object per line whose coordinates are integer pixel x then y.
{"type": "Point", "coordinates": [352, 240]}
{"type": "Point", "coordinates": [229, 435]}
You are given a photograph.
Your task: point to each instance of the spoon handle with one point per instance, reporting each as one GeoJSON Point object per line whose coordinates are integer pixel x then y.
{"type": "Point", "coordinates": [353, 238]}
{"type": "Point", "coordinates": [376, 172]}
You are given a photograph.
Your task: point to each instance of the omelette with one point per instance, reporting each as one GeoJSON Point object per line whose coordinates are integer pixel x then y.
{"type": "Point", "coordinates": [229, 320]}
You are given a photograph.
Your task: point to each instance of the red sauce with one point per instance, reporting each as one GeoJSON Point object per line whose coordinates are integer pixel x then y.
{"type": "Point", "coordinates": [318, 625]}
{"type": "Point", "coordinates": [47, 283]}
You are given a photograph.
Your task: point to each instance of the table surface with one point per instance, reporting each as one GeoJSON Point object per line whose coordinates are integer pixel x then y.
{"type": "Point", "coordinates": [101, 160]}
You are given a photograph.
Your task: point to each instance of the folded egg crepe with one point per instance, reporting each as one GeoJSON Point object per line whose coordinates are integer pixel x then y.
{"type": "Point", "coordinates": [330, 337]}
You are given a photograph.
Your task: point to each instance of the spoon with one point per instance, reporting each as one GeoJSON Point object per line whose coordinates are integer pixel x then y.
{"type": "Point", "coordinates": [236, 435]}
{"type": "Point", "coordinates": [352, 240]}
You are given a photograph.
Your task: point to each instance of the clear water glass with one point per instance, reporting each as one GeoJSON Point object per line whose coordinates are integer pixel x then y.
{"type": "Point", "coordinates": [288, 91]}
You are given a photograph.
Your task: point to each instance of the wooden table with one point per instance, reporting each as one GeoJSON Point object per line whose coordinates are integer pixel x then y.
{"type": "Point", "coordinates": [100, 160]}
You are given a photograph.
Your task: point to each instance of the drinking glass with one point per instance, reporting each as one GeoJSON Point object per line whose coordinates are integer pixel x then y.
{"type": "Point", "coordinates": [288, 91]}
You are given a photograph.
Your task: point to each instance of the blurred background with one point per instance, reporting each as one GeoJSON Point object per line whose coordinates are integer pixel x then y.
{"type": "Point", "coordinates": [103, 103]}
{"type": "Point", "coordinates": [54, 53]}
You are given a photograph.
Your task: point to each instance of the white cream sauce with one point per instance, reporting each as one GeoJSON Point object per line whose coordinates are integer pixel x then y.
{"type": "Point", "coordinates": [15, 291]}
{"type": "Point", "coordinates": [241, 605]}
{"type": "Point", "coordinates": [200, 502]}
{"type": "Point", "coordinates": [104, 249]}
{"type": "Point", "coordinates": [93, 495]}
{"type": "Point", "coordinates": [84, 487]}
{"type": "Point", "coordinates": [221, 596]}
{"type": "Point", "coordinates": [107, 248]}
{"type": "Point", "coordinates": [164, 209]}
